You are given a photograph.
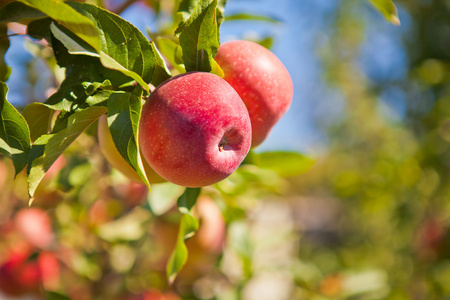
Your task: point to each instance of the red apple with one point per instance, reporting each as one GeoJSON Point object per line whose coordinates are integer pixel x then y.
{"type": "Point", "coordinates": [116, 160]}
{"type": "Point", "coordinates": [262, 82]}
{"type": "Point", "coordinates": [49, 269]}
{"type": "Point", "coordinates": [194, 130]}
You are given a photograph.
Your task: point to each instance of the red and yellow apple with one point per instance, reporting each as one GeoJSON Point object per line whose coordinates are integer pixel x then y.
{"type": "Point", "coordinates": [116, 160]}
{"type": "Point", "coordinates": [261, 80]}
{"type": "Point", "coordinates": [194, 129]}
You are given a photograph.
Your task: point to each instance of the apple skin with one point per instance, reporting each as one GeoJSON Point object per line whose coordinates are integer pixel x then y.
{"type": "Point", "coordinates": [262, 82]}
{"type": "Point", "coordinates": [194, 130]}
{"type": "Point", "coordinates": [116, 160]}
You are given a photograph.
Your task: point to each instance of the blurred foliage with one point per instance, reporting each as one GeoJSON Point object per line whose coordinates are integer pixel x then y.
{"type": "Point", "coordinates": [369, 220]}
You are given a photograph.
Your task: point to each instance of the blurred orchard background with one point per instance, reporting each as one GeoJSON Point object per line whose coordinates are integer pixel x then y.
{"type": "Point", "coordinates": [369, 219]}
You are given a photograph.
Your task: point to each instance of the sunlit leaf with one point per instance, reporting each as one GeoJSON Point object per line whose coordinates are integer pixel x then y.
{"type": "Point", "coordinates": [170, 51]}
{"type": "Point", "coordinates": [388, 9]}
{"type": "Point", "coordinates": [39, 117]}
{"type": "Point", "coordinates": [60, 11]}
{"type": "Point", "coordinates": [48, 147]}
{"type": "Point", "coordinates": [199, 37]}
{"type": "Point", "coordinates": [124, 47]}
{"type": "Point", "coordinates": [188, 226]}
{"type": "Point", "coordinates": [14, 132]}
{"type": "Point", "coordinates": [124, 110]}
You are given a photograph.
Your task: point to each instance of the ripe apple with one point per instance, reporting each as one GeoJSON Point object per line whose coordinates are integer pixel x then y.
{"type": "Point", "coordinates": [116, 160]}
{"type": "Point", "coordinates": [194, 130]}
{"type": "Point", "coordinates": [262, 82]}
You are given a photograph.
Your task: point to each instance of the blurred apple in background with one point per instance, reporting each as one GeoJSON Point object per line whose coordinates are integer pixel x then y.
{"type": "Point", "coordinates": [18, 276]}
{"type": "Point", "coordinates": [261, 80]}
{"type": "Point", "coordinates": [132, 193]}
{"type": "Point", "coordinates": [35, 226]}
{"type": "Point", "coordinates": [25, 272]}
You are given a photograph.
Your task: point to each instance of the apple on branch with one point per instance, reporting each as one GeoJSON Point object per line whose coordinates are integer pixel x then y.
{"type": "Point", "coordinates": [262, 82]}
{"type": "Point", "coordinates": [194, 129]}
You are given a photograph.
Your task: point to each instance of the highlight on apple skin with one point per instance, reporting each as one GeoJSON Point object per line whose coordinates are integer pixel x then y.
{"type": "Point", "coordinates": [116, 160]}
{"type": "Point", "coordinates": [261, 80]}
{"type": "Point", "coordinates": [194, 129]}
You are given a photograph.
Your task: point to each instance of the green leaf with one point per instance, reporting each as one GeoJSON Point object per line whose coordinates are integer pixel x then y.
{"type": "Point", "coordinates": [40, 29]}
{"type": "Point", "coordinates": [48, 147]}
{"type": "Point", "coordinates": [73, 44]}
{"type": "Point", "coordinates": [124, 111]}
{"type": "Point", "coordinates": [20, 13]}
{"type": "Point", "coordinates": [124, 47]}
{"type": "Point", "coordinates": [199, 37]}
{"type": "Point", "coordinates": [60, 11]}
{"type": "Point", "coordinates": [286, 164]}
{"type": "Point", "coordinates": [250, 17]}
{"type": "Point", "coordinates": [188, 226]}
{"type": "Point", "coordinates": [387, 9]}
{"type": "Point", "coordinates": [39, 118]}
{"type": "Point", "coordinates": [188, 199]}
{"type": "Point", "coordinates": [5, 71]}
{"type": "Point", "coordinates": [171, 50]}
{"type": "Point", "coordinates": [14, 133]}
{"type": "Point", "coordinates": [55, 296]}
{"type": "Point", "coordinates": [220, 12]}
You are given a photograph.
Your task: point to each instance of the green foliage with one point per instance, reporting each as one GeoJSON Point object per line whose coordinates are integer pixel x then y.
{"type": "Point", "coordinates": [124, 110]}
{"type": "Point", "coordinates": [48, 147]}
{"type": "Point", "coordinates": [4, 45]}
{"type": "Point", "coordinates": [388, 9]}
{"type": "Point", "coordinates": [199, 37]}
{"type": "Point", "coordinates": [14, 132]}
{"type": "Point", "coordinates": [188, 226]}
{"type": "Point", "coordinates": [61, 12]}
